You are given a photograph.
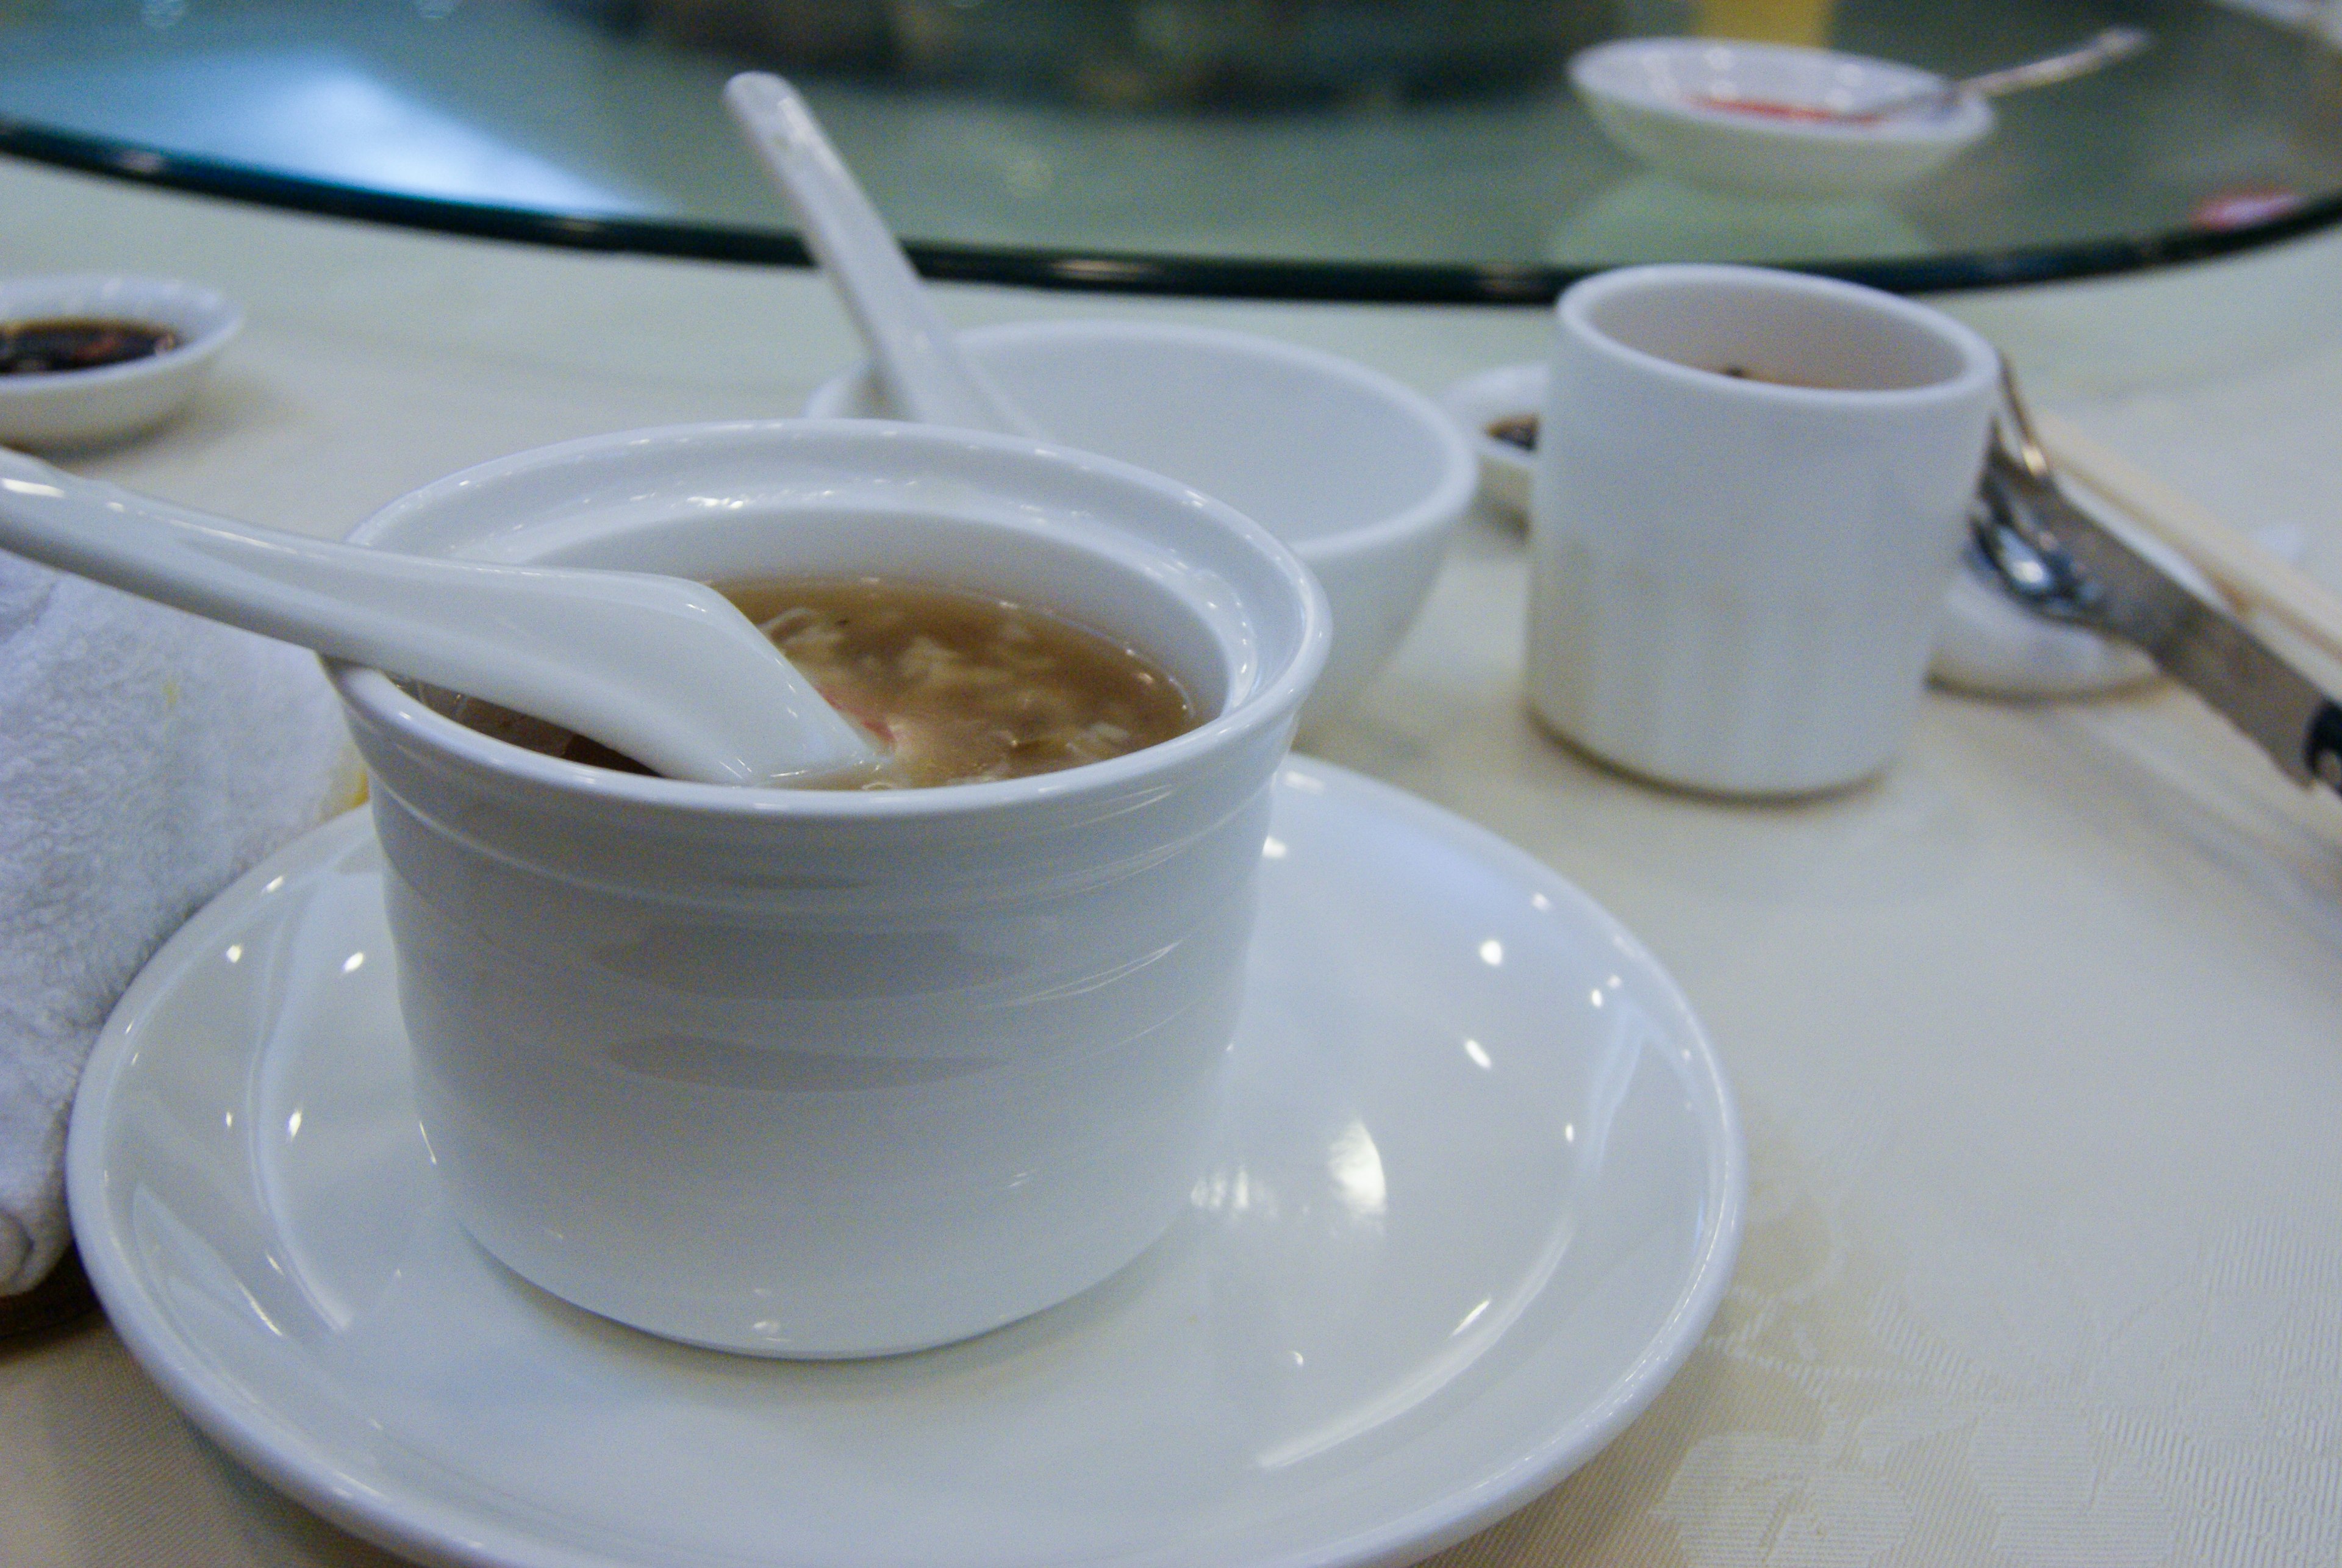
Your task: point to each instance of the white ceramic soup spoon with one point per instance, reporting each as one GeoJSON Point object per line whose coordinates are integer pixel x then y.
{"type": "Point", "coordinates": [664, 670]}
{"type": "Point", "coordinates": [918, 354]}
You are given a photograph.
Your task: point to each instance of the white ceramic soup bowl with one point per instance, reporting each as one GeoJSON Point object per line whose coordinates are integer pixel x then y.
{"type": "Point", "coordinates": [826, 1072]}
{"type": "Point", "coordinates": [1362, 476]}
{"type": "Point", "coordinates": [71, 408]}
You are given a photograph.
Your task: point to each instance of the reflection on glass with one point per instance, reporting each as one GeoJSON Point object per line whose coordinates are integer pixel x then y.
{"type": "Point", "coordinates": [1356, 1167]}
{"type": "Point", "coordinates": [1327, 134]}
{"type": "Point", "coordinates": [1654, 218]}
{"type": "Point", "coordinates": [1235, 1193]}
{"type": "Point", "coordinates": [1804, 22]}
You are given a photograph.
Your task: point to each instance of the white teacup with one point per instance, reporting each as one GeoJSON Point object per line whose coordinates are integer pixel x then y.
{"type": "Point", "coordinates": [819, 1073]}
{"type": "Point", "coordinates": [1736, 576]}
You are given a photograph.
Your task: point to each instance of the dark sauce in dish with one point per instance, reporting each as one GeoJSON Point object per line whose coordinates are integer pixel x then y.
{"type": "Point", "coordinates": [1516, 430]}
{"type": "Point", "coordinates": [1521, 429]}
{"type": "Point", "coordinates": [79, 343]}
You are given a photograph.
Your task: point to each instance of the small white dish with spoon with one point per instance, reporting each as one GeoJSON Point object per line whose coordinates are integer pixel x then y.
{"type": "Point", "coordinates": [1778, 120]}
{"type": "Point", "coordinates": [62, 408]}
{"type": "Point", "coordinates": [1770, 119]}
{"type": "Point", "coordinates": [1360, 476]}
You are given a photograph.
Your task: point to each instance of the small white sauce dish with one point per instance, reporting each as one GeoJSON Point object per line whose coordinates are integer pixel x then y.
{"type": "Point", "coordinates": [72, 408]}
{"type": "Point", "coordinates": [1477, 403]}
{"type": "Point", "coordinates": [1671, 102]}
{"type": "Point", "coordinates": [1360, 476]}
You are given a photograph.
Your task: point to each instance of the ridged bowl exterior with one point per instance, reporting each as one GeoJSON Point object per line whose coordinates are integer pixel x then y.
{"type": "Point", "coordinates": [808, 1073]}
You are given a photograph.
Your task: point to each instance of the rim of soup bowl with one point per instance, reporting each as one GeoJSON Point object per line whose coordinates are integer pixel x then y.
{"type": "Point", "coordinates": [1275, 696]}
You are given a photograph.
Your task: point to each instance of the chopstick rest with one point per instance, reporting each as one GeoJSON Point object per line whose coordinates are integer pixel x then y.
{"type": "Point", "coordinates": [146, 758]}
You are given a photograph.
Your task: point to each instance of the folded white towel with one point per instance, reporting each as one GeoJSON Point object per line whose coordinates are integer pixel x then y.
{"type": "Point", "coordinates": [146, 758]}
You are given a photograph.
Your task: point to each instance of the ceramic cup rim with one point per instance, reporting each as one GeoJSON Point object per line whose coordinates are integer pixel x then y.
{"type": "Point", "coordinates": [1430, 511]}
{"type": "Point", "coordinates": [1272, 698]}
{"type": "Point", "coordinates": [1978, 361]}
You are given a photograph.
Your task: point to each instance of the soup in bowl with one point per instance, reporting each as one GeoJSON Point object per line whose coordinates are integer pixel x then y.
{"type": "Point", "coordinates": [837, 1071]}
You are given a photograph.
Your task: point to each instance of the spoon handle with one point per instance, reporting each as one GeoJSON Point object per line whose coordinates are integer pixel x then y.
{"type": "Point", "coordinates": [571, 647]}
{"type": "Point", "coordinates": [2102, 48]}
{"type": "Point", "coordinates": [924, 372]}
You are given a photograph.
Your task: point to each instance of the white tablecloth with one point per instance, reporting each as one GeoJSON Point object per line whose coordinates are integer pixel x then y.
{"type": "Point", "coordinates": [2039, 1039]}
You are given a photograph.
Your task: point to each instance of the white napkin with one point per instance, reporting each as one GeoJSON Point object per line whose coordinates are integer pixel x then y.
{"type": "Point", "coordinates": [146, 758]}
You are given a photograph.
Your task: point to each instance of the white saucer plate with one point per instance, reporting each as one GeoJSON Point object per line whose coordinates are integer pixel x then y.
{"type": "Point", "coordinates": [1478, 1191]}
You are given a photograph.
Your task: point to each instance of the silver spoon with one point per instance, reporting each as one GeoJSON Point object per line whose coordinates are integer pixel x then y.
{"type": "Point", "coordinates": [2059, 562]}
{"type": "Point", "coordinates": [666, 670]}
{"type": "Point", "coordinates": [918, 354]}
{"type": "Point", "coordinates": [2100, 50]}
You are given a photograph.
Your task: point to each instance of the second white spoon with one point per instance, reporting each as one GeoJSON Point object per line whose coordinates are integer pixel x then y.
{"type": "Point", "coordinates": [917, 355]}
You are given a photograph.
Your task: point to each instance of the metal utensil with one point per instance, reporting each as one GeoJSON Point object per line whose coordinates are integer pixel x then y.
{"type": "Point", "coordinates": [2100, 50]}
{"type": "Point", "coordinates": [2064, 564]}
{"type": "Point", "coordinates": [667, 672]}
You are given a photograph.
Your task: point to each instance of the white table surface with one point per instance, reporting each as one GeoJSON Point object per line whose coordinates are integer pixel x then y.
{"type": "Point", "coordinates": [2038, 1038]}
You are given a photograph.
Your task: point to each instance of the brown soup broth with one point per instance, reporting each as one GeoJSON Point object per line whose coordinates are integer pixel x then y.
{"type": "Point", "coordinates": [963, 689]}
{"type": "Point", "coordinates": [957, 688]}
